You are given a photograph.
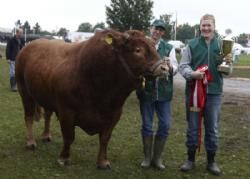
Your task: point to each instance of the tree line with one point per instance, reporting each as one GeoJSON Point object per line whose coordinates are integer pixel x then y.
{"type": "Point", "coordinates": [131, 14]}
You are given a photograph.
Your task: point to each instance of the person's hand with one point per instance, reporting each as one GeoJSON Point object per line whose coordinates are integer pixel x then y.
{"type": "Point", "coordinates": [8, 61]}
{"type": "Point", "coordinates": [228, 58]}
{"type": "Point", "coordinates": [167, 61]}
{"type": "Point", "coordinates": [198, 75]}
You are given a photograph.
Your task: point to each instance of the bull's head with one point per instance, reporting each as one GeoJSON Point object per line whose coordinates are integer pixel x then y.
{"type": "Point", "coordinates": [137, 53]}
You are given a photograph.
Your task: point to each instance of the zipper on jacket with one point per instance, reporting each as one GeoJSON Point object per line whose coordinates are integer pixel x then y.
{"type": "Point", "coordinates": [156, 88]}
{"type": "Point", "coordinates": [208, 59]}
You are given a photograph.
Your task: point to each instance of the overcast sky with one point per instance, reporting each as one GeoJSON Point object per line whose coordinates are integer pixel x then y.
{"type": "Point", "coordinates": [53, 14]}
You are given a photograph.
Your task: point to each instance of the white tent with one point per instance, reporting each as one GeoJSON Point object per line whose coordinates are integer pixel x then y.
{"type": "Point", "coordinates": [78, 36]}
{"type": "Point", "coordinates": [176, 43]}
{"type": "Point", "coordinates": [5, 30]}
{"type": "Point", "coordinates": [237, 48]}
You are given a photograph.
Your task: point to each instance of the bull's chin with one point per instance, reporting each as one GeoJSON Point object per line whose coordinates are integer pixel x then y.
{"type": "Point", "coordinates": [162, 74]}
{"type": "Point", "coordinates": [153, 74]}
{"type": "Point", "coordinates": [148, 73]}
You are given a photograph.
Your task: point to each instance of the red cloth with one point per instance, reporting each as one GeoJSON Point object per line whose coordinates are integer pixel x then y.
{"type": "Point", "coordinates": [198, 96]}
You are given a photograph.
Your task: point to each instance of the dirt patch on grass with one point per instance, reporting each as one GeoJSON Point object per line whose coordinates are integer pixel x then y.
{"type": "Point", "coordinates": [234, 98]}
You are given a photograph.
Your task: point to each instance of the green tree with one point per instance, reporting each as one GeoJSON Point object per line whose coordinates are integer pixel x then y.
{"type": "Point", "coordinates": [62, 32]}
{"type": "Point", "coordinates": [26, 26]}
{"type": "Point", "coordinates": [185, 32]}
{"type": "Point", "coordinates": [45, 32]}
{"type": "Point", "coordinates": [37, 28]}
{"type": "Point", "coordinates": [166, 18]}
{"type": "Point", "coordinates": [85, 27]}
{"type": "Point", "coordinates": [100, 25]}
{"type": "Point", "coordinates": [196, 30]}
{"type": "Point", "coordinates": [129, 14]}
{"type": "Point", "coordinates": [243, 39]}
{"type": "Point", "coordinates": [18, 23]}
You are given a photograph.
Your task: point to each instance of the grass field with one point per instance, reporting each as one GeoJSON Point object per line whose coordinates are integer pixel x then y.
{"type": "Point", "coordinates": [244, 60]}
{"type": "Point", "coordinates": [125, 148]}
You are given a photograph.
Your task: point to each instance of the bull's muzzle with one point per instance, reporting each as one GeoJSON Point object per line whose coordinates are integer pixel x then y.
{"type": "Point", "coordinates": [160, 68]}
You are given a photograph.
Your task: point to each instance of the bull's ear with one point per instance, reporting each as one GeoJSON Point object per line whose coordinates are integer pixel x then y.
{"type": "Point", "coordinates": [126, 35]}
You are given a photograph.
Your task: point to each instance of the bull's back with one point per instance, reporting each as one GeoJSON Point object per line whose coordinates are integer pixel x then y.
{"type": "Point", "coordinates": [37, 67]}
{"type": "Point", "coordinates": [42, 54]}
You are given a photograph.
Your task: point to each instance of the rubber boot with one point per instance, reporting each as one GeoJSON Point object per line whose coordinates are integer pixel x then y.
{"type": "Point", "coordinates": [147, 150]}
{"type": "Point", "coordinates": [13, 84]}
{"type": "Point", "coordinates": [190, 163]}
{"type": "Point", "coordinates": [159, 144]}
{"type": "Point", "coordinates": [211, 164]}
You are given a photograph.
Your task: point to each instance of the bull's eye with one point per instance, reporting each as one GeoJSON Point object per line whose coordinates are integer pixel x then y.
{"type": "Point", "coordinates": [137, 50]}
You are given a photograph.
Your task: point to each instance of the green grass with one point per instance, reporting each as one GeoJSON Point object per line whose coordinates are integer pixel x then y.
{"type": "Point", "coordinates": [240, 72]}
{"type": "Point", "coordinates": [244, 60]}
{"type": "Point", "coordinates": [125, 147]}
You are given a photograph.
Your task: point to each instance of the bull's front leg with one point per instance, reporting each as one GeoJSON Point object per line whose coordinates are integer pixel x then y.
{"type": "Point", "coordinates": [102, 160]}
{"type": "Point", "coordinates": [68, 132]}
{"type": "Point", "coordinates": [46, 135]}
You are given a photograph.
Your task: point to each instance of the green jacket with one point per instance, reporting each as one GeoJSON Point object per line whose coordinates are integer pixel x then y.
{"type": "Point", "coordinates": [203, 54]}
{"type": "Point", "coordinates": [158, 88]}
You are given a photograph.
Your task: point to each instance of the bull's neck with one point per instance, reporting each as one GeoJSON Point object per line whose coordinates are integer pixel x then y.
{"type": "Point", "coordinates": [126, 66]}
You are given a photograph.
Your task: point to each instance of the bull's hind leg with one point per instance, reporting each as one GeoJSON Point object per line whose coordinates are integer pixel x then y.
{"type": "Point", "coordinates": [30, 141]}
{"type": "Point", "coordinates": [46, 136]}
{"type": "Point", "coordinates": [31, 112]}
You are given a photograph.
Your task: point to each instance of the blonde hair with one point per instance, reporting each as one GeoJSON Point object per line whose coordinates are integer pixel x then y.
{"type": "Point", "coordinates": [208, 17]}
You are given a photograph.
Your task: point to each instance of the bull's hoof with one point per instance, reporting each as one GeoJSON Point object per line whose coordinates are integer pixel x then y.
{"type": "Point", "coordinates": [104, 165]}
{"type": "Point", "coordinates": [107, 167]}
{"type": "Point", "coordinates": [63, 162]}
{"type": "Point", "coordinates": [31, 145]}
{"type": "Point", "coordinates": [47, 138]}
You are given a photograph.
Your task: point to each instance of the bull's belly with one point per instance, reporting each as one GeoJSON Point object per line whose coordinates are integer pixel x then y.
{"type": "Point", "coordinates": [94, 124]}
{"type": "Point", "coordinates": [91, 131]}
{"type": "Point", "coordinates": [91, 127]}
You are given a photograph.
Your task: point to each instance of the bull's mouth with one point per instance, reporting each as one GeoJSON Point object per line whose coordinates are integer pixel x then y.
{"type": "Point", "coordinates": [155, 66]}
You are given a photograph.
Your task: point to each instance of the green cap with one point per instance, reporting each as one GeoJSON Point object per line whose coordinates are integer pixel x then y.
{"type": "Point", "coordinates": [159, 23]}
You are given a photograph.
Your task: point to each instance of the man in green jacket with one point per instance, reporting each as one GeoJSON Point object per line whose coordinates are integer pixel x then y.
{"type": "Point", "coordinates": [156, 97]}
{"type": "Point", "coordinates": [201, 52]}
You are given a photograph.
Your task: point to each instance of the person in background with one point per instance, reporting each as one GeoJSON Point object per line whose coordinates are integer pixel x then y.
{"type": "Point", "coordinates": [199, 63]}
{"type": "Point", "coordinates": [156, 97]}
{"type": "Point", "coordinates": [14, 45]}
{"type": "Point", "coordinates": [236, 55]}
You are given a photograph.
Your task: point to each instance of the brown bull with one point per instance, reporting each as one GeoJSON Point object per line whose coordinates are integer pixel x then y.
{"type": "Point", "coordinates": [85, 84]}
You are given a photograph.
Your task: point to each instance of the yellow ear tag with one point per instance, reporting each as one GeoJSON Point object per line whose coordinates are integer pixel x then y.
{"type": "Point", "coordinates": [108, 40]}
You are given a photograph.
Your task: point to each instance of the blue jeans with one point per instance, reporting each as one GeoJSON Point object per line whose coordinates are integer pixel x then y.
{"type": "Point", "coordinates": [12, 68]}
{"type": "Point", "coordinates": [163, 111]}
{"type": "Point", "coordinates": [211, 118]}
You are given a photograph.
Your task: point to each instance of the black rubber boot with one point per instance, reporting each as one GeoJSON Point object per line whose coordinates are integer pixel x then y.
{"type": "Point", "coordinates": [13, 84]}
{"type": "Point", "coordinates": [190, 163]}
{"type": "Point", "coordinates": [211, 164]}
{"type": "Point", "coordinates": [147, 150]}
{"type": "Point", "coordinates": [159, 144]}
